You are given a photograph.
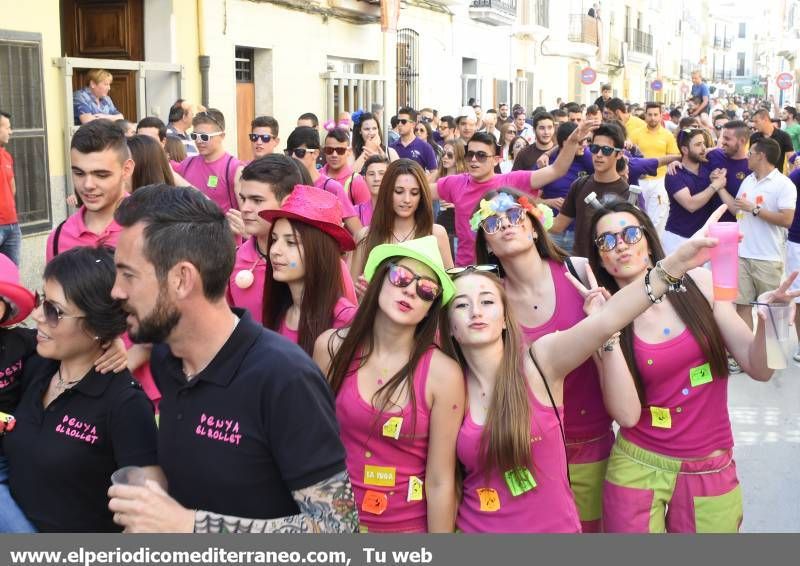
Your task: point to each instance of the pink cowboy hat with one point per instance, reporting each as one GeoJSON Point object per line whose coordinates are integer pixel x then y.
{"type": "Point", "coordinates": [316, 207]}
{"type": "Point", "coordinates": [19, 299]}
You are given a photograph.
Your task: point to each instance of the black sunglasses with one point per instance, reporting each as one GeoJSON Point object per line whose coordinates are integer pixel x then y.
{"type": "Point", "coordinates": [265, 138]}
{"type": "Point", "coordinates": [52, 314]}
{"type": "Point", "coordinates": [427, 288]}
{"type": "Point", "coordinates": [607, 241]}
{"type": "Point", "coordinates": [403, 121]}
{"type": "Point", "coordinates": [298, 152]}
{"type": "Point", "coordinates": [481, 156]}
{"type": "Point", "coordinates": [605, 149]}
{"type": "Point", "coordinates": [337, 150]}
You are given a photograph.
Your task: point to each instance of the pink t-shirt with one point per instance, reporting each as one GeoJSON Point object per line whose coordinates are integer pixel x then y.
{"type": "Point", "coordinates": [488, 504]}
{"type": "Point", "coordinates": [364, 212]}
{"type": "Point", "coordinates": [74, 233]}
{"type": "Point", "coordinates": [327, 184]}
{"type": "Point", "coordinates": [381, 458]}
{"type": "Point", "coordinates": [248, 259]}
{"type": "Point", "coordinates": [585, 415]}
{"type": "Point", "coordinates": [215, 179]}
{"type": "Point", "coordinates": [358, 191]}
{"type": "Point", "coordinates": [686, 408]}
{"type": "Point", "coordinates": [343, 314]}
{"type": "Point", "coordinates": [465, 194]}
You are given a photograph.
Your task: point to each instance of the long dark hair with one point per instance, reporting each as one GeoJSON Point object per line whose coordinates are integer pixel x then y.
{"type": "Point", "coordinates": [359, 343]}
{"type": "Point", "coordinates": [358, 138]}
{"type": "Point", "coordinates": [692, 306]}
{"type": "Point", "coordinates": [506, 437]}
{"type": "Point", "coordinates": [322, 286]}
{"type": "Point", "coordinates": [383, 217]}
{"type": "Point", "coordinates": [151, 166]}
{"type": "Point", "coordinates": [544, 244]}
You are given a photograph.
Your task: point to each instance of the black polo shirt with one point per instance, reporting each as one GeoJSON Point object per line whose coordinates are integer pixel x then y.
{"type": "Point", "coordinates": [16, 345]}
{"type": "Point", "coordinates": [256, 424]}
{"type": "Point", "coordinates": [61, 458]}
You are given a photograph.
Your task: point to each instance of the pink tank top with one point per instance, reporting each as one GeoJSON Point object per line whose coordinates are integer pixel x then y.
{"type": "Point", "coordinates": [489, 505]}
{"type": "Point", "coordinates": [584, 412]}
{"type": "Point", "coordinates": [343, 314]}
{"type": "Point", "coordinates": [386, 459]}
{"type": "Point", "coordinates": [686, 412]}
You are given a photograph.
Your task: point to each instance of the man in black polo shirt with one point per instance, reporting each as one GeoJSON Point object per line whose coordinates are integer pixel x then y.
{"type": "Point", "coordinates": [248, 437]}
{"type": "Point", "coordinates": [766, 129]}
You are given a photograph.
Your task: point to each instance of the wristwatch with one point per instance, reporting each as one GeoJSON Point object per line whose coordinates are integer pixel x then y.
{"type": "Point", "coordinates": [756, 210]}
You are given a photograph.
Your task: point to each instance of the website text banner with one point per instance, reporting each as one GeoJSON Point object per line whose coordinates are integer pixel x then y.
{"type": "Point", "coordinates": [411, 550]}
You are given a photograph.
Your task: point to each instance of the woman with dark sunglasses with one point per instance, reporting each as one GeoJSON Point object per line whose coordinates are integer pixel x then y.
{"type": "Point", "coordinates": [513, 234]}
{"type": "Point", "coordinates": [511, 445]}
{"type": "Point", "coordinates": [399, 400]}
{"type": "Point", "coordinates": [672, 467]}
{"type": "Point", "coordinates": [75, 426]}
{"type": "Point", "coordinates": [424, 132]}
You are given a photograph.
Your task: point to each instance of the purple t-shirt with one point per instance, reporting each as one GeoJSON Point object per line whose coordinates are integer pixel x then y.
{"type": "Point", "coordinates": [327, 184]}
{"type": "Point", "coordinates": [680, 221]}
{"type": "Point", "coordinates": [465, 194]}
{"type": "Point", "coordinates": [638, 166]}
{"type": "Point", "coordinates": [215, 179]}
{"type": "Point", "coordinates": [560, 187]}
{"type": "Point", "coordinates": [794, 229]}
{"type": "Point", "coordinates": [737, 172]}
{"type": "Point", "coordinates": [418, 150]}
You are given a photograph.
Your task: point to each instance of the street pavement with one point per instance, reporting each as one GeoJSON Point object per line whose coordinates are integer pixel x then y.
{"type": "Point", "coordinates": [766, 429]}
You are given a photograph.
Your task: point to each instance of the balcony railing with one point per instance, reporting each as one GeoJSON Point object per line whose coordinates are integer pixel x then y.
{"type": "Point", "coordinates": [346, 92]}
{"type": "Point", "coordinates": [583, 29]}
{"type": "Point", "coordinates": [494, 12]}
{"type": "Point", "coordinates": [639, 41]}
{"type": "Point", "coordinates": [615, 52]}
{"type": "Point", "coordinates": [717, 42]}
{"type": "Point", "coordinates": [723, 75]}
{"type": "Point", "coordinates": [541, 14]}
{"type": "Point", "coordinates": [728, 42]}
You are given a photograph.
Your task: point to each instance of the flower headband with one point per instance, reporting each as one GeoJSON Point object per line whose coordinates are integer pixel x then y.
{"type": "Point", "coordinates": [332, 124]}
{"type": "Point", "coordinates": [504, 201]}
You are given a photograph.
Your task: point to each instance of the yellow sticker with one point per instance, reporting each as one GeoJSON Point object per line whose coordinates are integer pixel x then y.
{"type": "Point", "coordinates": [379, 475]}
{"type": "Point", "coordinates": [391, 428]}
{"type": "Point", "coordinates": [414, 489]}
{"type": "Point", "coordinates": [700, 375]}
{"type": "Point", "coordinates": [660, 417]}
{"type": "Point", "coordinates": [490, 501]}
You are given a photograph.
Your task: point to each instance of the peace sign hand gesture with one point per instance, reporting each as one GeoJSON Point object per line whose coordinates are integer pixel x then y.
{"type": "Point", "coordinates": [594, 296]}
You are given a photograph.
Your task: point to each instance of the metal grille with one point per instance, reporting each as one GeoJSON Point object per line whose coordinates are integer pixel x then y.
{"type": "Point", "coordinates": [407, 67]}
{"type": "Point", "coordinates": [244, 64]}
{"type": "Point", "coordinates": [21, 95]}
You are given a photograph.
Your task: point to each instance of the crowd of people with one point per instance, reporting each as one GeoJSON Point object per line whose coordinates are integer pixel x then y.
{"type": "Point", "coordinates": [500, 321]}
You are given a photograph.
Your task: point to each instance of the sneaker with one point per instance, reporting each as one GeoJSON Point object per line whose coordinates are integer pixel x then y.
{"type": "Point", "coordinates": [733, 366]}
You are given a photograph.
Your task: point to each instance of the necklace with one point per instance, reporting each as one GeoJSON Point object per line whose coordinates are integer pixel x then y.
{"type": "Point", "coordinates": [245, 277]}
{"type": "Point", "coordinates": [404, 238]}
{"type": "Point", "coordinates": [64, 385]}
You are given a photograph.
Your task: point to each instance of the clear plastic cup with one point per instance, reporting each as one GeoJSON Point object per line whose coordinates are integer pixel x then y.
{"type": "Point", "coordinates": [129, 475]}
{"type": "Point", "coordinates": [778, 334]}
{"type": "Point", "coordinates": [725, 260]}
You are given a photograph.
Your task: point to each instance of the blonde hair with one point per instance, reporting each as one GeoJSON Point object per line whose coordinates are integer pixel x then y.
{"type": "Point", "coordinates": [97, 76]}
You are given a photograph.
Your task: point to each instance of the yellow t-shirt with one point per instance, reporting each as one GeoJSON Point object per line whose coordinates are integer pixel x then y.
{"type": "Point", "coordinates": [655, 143]}
{"type": "Point", "coordinates": [634, 125]}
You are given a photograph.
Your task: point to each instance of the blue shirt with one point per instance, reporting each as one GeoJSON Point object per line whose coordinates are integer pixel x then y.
{"type": "Point", "coordinates": [84, 102]}
{"type": "Point", "coordinates": [701, 90]}
{"type": "Point", "coordinates": [419, 151]}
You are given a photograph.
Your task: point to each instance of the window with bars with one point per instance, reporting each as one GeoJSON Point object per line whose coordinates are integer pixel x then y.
{"type": "Point", "coordinates": [244, 60]}
{"type": "Point", "coordinates": [22, 96]}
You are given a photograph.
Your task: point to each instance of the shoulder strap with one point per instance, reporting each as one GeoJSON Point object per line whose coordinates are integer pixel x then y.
{"type": "Point", "coordinates": [325, 184]}
{"type": "Point", "coordinates": [572, 270]}
{"type": "Point", "coordinates": [555, 409]}
{"type": "Point", "coordinates": [57, 235]}
{"type": "Point", "coordinates": [228, 186]}
{"type": "Point", "coordinates": [349, 182]}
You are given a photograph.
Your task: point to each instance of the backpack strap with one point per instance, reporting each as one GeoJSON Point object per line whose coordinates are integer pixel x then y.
{"type": "Point", "coordinates": [57, 235]}
{"type": "Point", "coordinates": [228, 186]}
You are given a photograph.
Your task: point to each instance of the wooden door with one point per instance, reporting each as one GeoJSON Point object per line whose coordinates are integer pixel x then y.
{"type": "Point", "coordinates": [106, 29]}
{"type": "Point", "coordinates": [245, 112]}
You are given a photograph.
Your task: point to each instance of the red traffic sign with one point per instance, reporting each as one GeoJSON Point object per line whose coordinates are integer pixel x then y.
{"type": "Point", "coordinates": [657, 85]}
{"type": "Point", "coordinates": [784, 81]}
{"type": "Point", "coordinates": [588, 75]}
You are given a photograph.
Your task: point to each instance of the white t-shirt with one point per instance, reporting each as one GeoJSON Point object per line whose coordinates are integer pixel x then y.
{"type": "Point", "coordinates": [774, 192]}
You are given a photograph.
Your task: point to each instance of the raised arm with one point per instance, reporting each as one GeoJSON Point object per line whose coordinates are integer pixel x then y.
{"type": "Point", "coordinates": [566, 155]}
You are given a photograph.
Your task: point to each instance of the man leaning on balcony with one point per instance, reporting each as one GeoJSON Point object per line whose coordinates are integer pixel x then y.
{"type": "Point", "coordinates": [92, 101]}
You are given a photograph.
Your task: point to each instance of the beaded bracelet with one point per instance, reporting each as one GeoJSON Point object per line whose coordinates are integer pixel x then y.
{"type": "Point", "coordinates": [647, 287]}
{"type": "Point", "coordinates": [611, 342]}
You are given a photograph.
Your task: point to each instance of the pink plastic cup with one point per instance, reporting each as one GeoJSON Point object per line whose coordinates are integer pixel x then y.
{"type": "Point", "coordinates": [725, 260]}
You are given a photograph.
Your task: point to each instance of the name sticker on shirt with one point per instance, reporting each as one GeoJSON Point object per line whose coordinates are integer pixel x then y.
{"type": "Point", "coordinates": [700, 375]}
{"type": "Point", "coordinates": [374, 502]}
{"type": "Point", "coordinates": [391, 428]}
{"type": "Point", "coordinates": [212, 181]}
{"type": "Point", "coordinates": [519, 481]}
{"type": "Point", "coordinates": [661, 417]}
{"type": "Point", "coordinates": [383, 476]}
{"type": "Point", "coordinates": [490, 500]}
{"type": "Point", "coordinates": [414, 489]}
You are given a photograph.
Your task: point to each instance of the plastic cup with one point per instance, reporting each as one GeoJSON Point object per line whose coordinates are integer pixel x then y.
{"type": "Point", "coordinates": [129, 475]}
{"type": "Point", "coordinates": [778, 334]}
{"type": "Point", "coordinates": [725, 260]}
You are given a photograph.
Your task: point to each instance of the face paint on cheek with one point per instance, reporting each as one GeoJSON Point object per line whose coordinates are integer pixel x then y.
{"type": "Point", "coordinates": [293, 264]}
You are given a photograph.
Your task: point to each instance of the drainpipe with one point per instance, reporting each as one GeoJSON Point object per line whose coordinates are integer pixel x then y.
{"type": "Point", "coordinates": [204, 61]}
